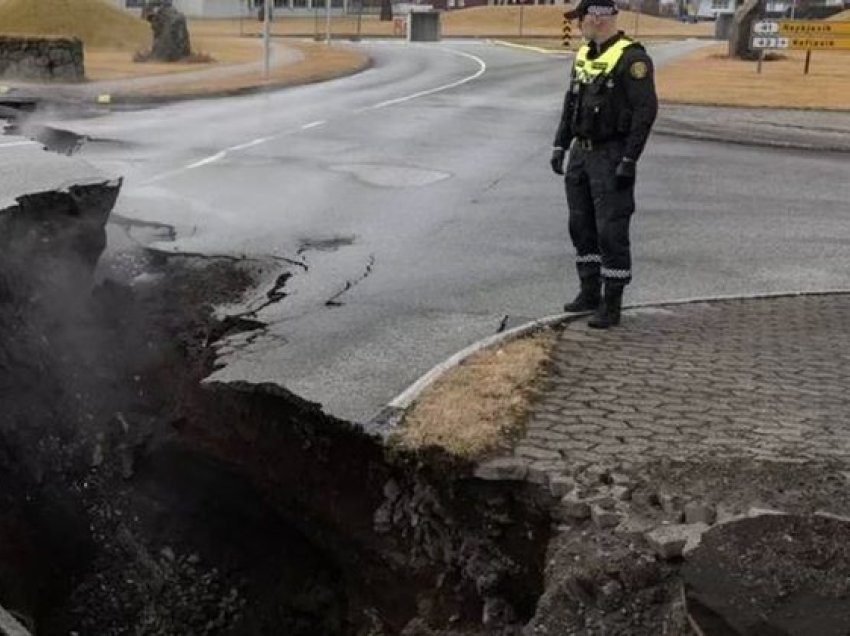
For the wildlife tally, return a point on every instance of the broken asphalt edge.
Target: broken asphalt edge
(391, 415)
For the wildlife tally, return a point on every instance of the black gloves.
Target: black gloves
(625, 174)
(557, 161)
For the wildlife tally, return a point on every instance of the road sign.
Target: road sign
(566, 31)
(770, 43)
(811, 28)
(819, 28)
(820, 44)
(802, 44)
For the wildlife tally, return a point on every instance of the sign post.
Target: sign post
(266, 43)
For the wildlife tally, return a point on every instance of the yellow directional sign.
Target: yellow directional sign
(819, 28)
(822, 44)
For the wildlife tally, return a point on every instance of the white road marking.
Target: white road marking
(207, 160)
(528, 47)
(482, 68)
(11, 144)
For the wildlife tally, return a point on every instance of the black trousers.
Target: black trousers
(599, 214)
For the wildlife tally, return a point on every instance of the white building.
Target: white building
(243, 8)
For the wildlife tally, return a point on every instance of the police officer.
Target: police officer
(609, 109)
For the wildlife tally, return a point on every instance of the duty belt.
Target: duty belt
(589, 144)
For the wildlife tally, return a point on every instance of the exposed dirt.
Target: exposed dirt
(136, 500)
(773, 574)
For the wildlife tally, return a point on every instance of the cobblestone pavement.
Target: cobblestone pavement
(766, 379)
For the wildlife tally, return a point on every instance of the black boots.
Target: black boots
(608, 314)
(588, 297)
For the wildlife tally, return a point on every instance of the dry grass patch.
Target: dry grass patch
(482, 405)
(109, 64)
(707, 76)
(98, 23)
(321, 62)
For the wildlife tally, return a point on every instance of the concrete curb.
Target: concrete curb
(391, 415)
(534, 49)
(139, 99)
(734, 137)
(130, 99)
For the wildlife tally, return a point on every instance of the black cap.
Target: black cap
(592, 7)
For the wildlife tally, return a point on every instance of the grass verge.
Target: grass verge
(481, 406)
(709, 77)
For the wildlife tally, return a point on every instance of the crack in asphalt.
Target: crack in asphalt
(333, 302)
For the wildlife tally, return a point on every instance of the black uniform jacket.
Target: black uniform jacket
(634, 97)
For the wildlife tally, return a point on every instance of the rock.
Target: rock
(700, 513)
(620, 479)
(497, 612)
(672, 507)
(776, 574)
(621, 493)
(645, 498)
(635, 525)
(538, 475)
(391, 490)
(604, 518)
(97, 454)
(170, 33)
(167, 554)
(666, 544)
(502, 469)
(573, 507)
(560, 485)
(674, 541)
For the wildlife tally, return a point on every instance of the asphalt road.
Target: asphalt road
(418, 206)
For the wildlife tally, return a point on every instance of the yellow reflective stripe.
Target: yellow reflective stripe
(587, 70)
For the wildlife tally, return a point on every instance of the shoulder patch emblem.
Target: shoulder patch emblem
(638, 70)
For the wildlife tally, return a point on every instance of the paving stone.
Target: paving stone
(635, 525)
(621, 493)
(700, 513)
(674, 541)
(538, 475)
(646, 498)
(502, 469)
(604, 518)
(533, 452)
(560, 485)
(573, 507)
(701, 385)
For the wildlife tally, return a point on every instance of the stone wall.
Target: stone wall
(41, 58)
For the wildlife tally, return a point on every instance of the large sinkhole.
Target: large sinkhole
(135, 500)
